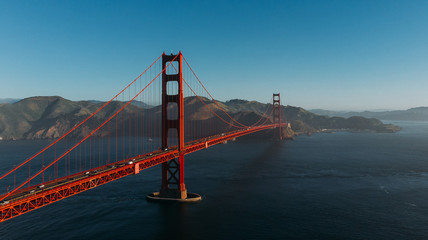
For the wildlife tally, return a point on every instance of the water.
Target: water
(326, 186)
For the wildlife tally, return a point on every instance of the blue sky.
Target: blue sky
(340, 55)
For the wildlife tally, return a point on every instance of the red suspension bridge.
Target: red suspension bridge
(161, 116)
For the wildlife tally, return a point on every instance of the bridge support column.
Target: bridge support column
(173, 187)
(277, 112)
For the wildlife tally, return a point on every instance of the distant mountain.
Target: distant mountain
(305, 121)
(51, 117)
(412, 114)
(328, 112)
(8, 100)
(135, 103)
(142, 104)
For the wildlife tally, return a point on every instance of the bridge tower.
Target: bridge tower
(173, 187)
(277, 112)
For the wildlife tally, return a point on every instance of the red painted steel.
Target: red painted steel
(90, 134)
(137, 168)
(75, 127)
(24, 201)
(277, 112)
(212, 98)
(173, 171)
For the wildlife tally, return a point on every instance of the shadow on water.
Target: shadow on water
(202, 219)
(258, 162)
(172, 219)
(256, 189)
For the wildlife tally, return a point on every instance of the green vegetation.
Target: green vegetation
(51, 117)
(303, 121)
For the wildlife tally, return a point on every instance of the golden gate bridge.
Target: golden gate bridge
(122, 137)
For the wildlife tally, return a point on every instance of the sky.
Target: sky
(336, 55)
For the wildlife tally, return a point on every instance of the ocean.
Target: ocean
(325, 186)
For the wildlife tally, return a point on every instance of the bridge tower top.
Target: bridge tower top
(173, 187)
(175, 75)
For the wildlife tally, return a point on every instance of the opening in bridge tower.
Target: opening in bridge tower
(173, 187)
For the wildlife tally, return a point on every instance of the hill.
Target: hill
(305, 121)
(412, 114)
(51, 117)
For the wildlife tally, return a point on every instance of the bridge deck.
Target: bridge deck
(41, 195)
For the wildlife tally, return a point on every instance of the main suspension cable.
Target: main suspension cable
(78, 125)
(95, 130)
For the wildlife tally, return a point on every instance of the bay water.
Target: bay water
(325, 186)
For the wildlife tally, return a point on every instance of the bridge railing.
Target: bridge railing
(129, 124)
